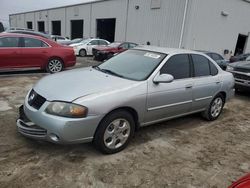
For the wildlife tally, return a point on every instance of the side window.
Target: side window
(178, 66)
(216, 57)
(213, 69)
(132, 45)
(34, 43)
(102, 42)
(94, 42)
(9, 42)
(201, 65)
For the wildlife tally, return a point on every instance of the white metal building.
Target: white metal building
(213, 25)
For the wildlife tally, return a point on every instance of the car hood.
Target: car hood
(241, 64)
(71, 85)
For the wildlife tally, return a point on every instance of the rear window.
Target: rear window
(34, 43)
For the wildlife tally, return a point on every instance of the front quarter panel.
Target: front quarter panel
(133, 96)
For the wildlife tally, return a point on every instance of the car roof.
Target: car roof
(165, 50)
(21, 35)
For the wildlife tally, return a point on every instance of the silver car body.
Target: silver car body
(102, 93)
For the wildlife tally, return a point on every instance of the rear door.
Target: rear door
(91, 45)
(10, 52)
(35, 52)
(206, 82)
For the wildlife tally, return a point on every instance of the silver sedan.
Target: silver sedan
(107, 103)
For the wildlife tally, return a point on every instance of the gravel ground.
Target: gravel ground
(183, 153)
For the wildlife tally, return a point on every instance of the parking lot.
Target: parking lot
(187, 152)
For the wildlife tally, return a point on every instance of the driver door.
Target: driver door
(166, 100)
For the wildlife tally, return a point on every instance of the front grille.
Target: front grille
(242, 70)
(241, 76)
(35, 100)
(32, 130)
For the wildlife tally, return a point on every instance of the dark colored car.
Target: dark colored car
(29, 32)
(1, 27)
(22, 52)
(243, 182)
(241, 57)
(105, 52)
(218, 59)
(241, 72)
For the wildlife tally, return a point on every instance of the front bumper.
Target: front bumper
(39, 125)
(76, 51)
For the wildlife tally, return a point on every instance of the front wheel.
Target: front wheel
(54, 65)
(114, 132)
(215, 108)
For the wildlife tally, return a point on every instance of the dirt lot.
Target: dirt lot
(187, 152)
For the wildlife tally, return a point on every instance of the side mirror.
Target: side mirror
(163, 78)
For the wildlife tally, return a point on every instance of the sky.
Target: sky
(15, 6)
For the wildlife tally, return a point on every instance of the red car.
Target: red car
(106, 52)
(243, 182)
(23, 52)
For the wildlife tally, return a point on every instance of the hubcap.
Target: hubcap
(117, 133)
(216, 107)
(82, 53)
(55, 66)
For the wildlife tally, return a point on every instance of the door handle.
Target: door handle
(218, 82)
(189, 86)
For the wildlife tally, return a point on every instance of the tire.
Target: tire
(114, 132)
(109, 55)
(215, 108)
(54, 65)
(82, 53)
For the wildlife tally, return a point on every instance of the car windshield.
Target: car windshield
(85, 41)
(76, 40)
(132, 64)
(114, 44)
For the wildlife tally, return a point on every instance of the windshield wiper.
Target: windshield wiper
(111, 72)
(96, 67)
(107, 71)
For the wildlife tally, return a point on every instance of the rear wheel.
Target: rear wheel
(215, 108)
(82, 53)
(54, 65)
(114, 132)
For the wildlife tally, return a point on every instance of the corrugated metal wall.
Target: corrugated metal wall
(161, 27)
(208, 29)
(205, 28)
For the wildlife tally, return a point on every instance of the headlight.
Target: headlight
(229, 68)
(66, 110)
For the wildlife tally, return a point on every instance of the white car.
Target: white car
(85, 47)
(58, 38)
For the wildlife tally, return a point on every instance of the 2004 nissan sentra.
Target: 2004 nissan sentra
(107, 103)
